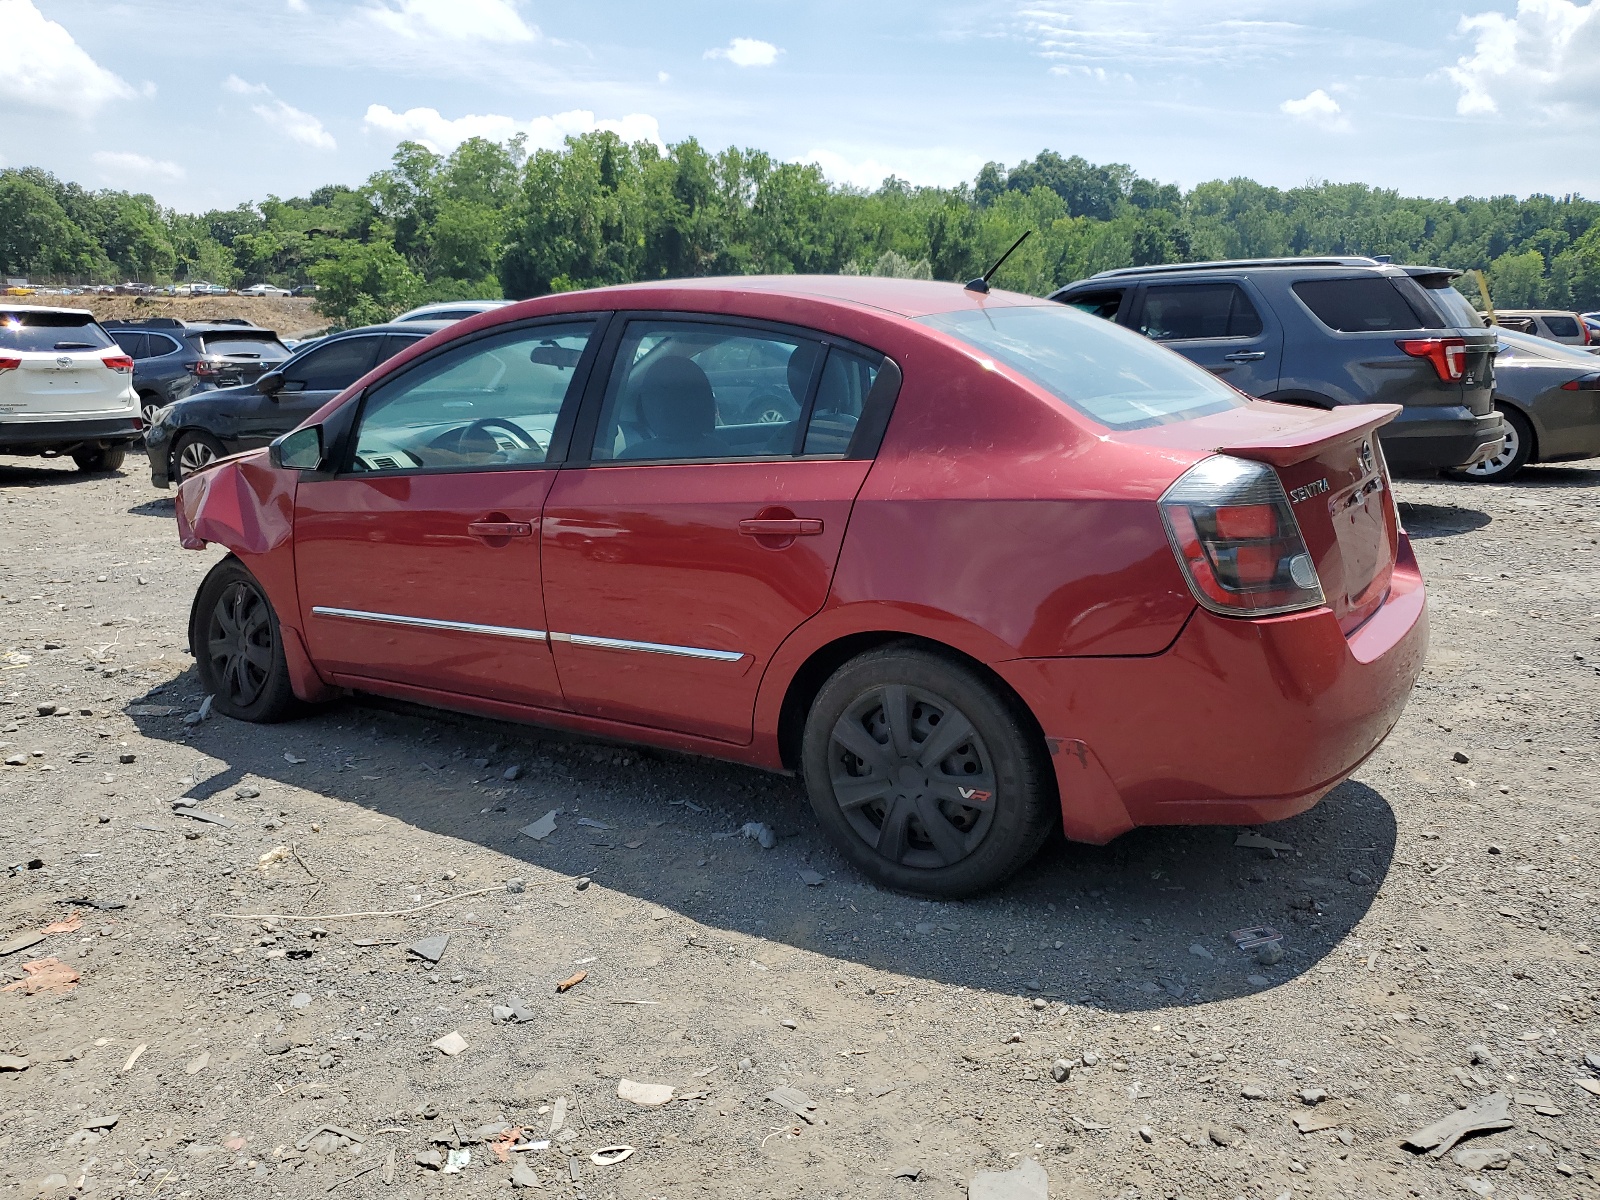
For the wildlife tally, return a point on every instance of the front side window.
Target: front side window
(1106, 304)
(694, 390)
(1369, 305)
(1189, 312)
(1104, 371)
(490, 403)
(331, 367)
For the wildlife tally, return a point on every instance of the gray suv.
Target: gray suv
(1325, 332)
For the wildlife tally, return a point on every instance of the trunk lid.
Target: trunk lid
(1332, 469)
(63, 382)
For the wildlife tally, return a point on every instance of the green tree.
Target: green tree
(364, 283)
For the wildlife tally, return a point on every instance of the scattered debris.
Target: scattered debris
(451, 1044)
(198, 1064)
(1317, 1122)
(431, 948)
(45, 975)
(1487, 1115)
(610, 1156)
(566, 985)
(21, 942)
(102, 905)
(522, 1176)
(292, 759)
(591, 823)
(1254, 841)
(1482, 1158)
(796, 1101)
(648, 1095)
(338, 1131)
(558, 1115)
(761, 833)
(455, 1161)
(134, 1057)
(202, 713)
(542, 828)
(150, 710)
(1028, 1181)
(12, 1062)
(811, 878)
(208, 818)
(1313, 1095)
(277, 854)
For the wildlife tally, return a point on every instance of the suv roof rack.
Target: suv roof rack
(1230, 264)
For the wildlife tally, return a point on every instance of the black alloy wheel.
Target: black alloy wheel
(239, 647)
(912, 776)
(926, 772)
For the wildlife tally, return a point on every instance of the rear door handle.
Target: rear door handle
(500, 529)
(781, 526)
(1245, 355)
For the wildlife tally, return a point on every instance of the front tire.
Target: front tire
(1513, 455)
(925, 775)
(193, 451)
(238, 647)
(102, 461)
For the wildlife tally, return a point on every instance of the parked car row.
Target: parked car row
(192, 288)
(173, 358)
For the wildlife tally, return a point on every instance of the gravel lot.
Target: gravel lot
(1437, 914)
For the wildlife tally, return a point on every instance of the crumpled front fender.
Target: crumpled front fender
(242, 503)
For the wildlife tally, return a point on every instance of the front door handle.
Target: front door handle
(500, 529)
(1245, 355)
(786, 527)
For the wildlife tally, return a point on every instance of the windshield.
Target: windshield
(1107, 373)
(36, 331)
(1456, 308)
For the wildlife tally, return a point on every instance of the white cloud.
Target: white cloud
(121, 164)
(298, 6)
(747, 52)
(45, 68)
(932, 168)
(293, 123)
(1317, 108)
(1119, 34)
(1547, 55)
(454, 20)
(442, 135)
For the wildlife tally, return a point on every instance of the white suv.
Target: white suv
(65, 388)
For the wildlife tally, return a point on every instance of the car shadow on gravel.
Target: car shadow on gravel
(1423, 521)
(161, 506)
(61, 473)
(1141, 924)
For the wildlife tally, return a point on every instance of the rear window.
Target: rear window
(1107, 373)
(1368, 305)
(36, 331)
(1097, 304)
(1188, 312)
(244, 345)
(1562, 327)
(1456, 308)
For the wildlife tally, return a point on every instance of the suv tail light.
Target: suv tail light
(10, 364)
(1237, 539)
(118, 362)
(1448, 355)
(1584, 383)
(203, 368)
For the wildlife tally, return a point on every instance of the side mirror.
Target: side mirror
(270, 384)
(300, 450)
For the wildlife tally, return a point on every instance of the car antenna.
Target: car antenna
(981, 284)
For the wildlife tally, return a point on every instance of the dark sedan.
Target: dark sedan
(186, 435)
(1549, 395)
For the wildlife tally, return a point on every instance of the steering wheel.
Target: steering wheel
(484, 425)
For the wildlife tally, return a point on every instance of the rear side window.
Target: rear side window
(161, 344)
(244, 345)
(841, 396)
(1368, 305)
(1198, 310)
(43, 331)
(133, 344)
(1456, 309)
(1105, 305)
(1108, 373)
(1562, 327)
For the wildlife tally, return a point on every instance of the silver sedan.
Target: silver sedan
(1549, 395)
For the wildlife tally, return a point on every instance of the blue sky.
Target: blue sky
(209, 102)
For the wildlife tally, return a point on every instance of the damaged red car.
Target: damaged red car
(974, 565)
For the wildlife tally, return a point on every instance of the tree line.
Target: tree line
(491, 220)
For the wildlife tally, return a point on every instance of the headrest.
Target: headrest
(676, 401)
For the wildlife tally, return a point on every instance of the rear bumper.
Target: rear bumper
(1239, 722)
(1438, 437)
(62, 437)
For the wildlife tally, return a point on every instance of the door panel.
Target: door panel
(663, 611)
(390, 552)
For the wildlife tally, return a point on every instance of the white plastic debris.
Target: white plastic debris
(759, 832)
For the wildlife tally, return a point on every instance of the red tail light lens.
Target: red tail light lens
(1586, 383)
(118, 362)
(203, 368)
(1448, 355)
(10, 364)
(1237, 539)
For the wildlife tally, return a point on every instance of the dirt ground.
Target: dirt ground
(1437, 913)
(289, 316)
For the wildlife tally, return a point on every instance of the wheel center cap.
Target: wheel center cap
(911, 777)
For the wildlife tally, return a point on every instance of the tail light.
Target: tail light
(118, 362)
(1448, 355)
(10, 364)
(204, 368)
(1585, 383)
(1237, 539)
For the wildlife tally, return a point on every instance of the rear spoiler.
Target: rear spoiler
(1295, 445)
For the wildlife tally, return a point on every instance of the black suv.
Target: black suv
(187, 435)
(173, 358)
(1325, 332)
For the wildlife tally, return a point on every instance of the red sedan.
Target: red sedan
(974, 565)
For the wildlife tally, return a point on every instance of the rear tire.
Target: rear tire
(1513, 455)
(238, 647)
(103, 461)
(149, 403)
(925, 775)
(192, 451)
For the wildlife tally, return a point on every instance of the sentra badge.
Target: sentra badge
(1315, 488)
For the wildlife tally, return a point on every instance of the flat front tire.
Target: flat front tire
(925, 774)
(238, 647)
